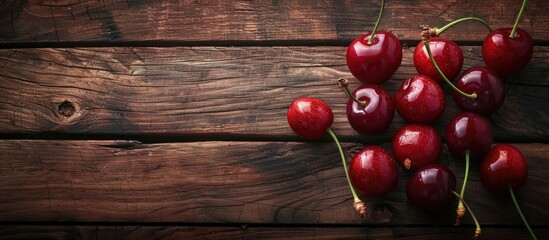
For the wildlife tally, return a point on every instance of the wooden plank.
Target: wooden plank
(218, 93)
(227, 182)
(16, 232)
(237, 21)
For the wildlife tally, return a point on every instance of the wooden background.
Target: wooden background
(167, 120)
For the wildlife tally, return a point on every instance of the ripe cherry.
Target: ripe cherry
(373, 172)
(374, 57)
(446, 53)
(370, 109)
(430, 187)
(420, 99)
(487, 86)
(506, 50)
(468, 134)
(507, 55)
(416, 145)
(309, 117)
(503, 166)
(504, 169)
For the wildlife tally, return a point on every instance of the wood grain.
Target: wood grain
(226, 182)
(219, 92)
(248, 21)
(19, 232)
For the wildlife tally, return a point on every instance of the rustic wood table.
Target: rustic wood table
(167, 120)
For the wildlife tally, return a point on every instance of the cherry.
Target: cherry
(309, 117)
(503, 166)
(488, 87)
(420, 99)
(370, 109)
(430, 187)
(373, 172)
(416, 145)
(374, 57)
(446, 53)
(506, 50)
(468, 134)
(502, 170)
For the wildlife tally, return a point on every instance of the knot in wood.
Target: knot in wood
(66, 109)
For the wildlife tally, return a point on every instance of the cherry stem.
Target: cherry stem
(453, 23)
(478, 230)
(372, 35)
(514, 31)
(356, 199)
(426, 39)
(344, 84)
(460, 210)
(520, 212)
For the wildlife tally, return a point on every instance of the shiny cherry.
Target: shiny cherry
(375, 62)
(416, 145)
(507, 55)
(446, 53)
(375, 112)
(488, 87)
(373, 172)
(310, 117)
(503, 166)
(430, 187)
(469, 132)
(420, 99)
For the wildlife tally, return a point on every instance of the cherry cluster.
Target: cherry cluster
(478, 91)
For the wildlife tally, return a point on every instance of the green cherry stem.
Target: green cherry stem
(371, 40)
(478, 231)
(425, 35)
(520, 213)
(358, 204)
(457, 21)
(344, 83)
(514, 31)
(460, 209)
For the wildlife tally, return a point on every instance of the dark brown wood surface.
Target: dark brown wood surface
(243, 21)
(167, 120)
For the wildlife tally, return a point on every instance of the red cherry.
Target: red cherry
(488, 87)
(430, 187)
(420, 99)
(416, 145)
(373, 172)
(376, 115)
(310, 117)
(502, 166)
(446, 53)
(506, 55)
(374, 62)
(469, 132)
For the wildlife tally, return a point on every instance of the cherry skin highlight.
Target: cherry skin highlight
(502, 166)
(506, 55)
(416, 145)
(446, 53)
(310, 117)
(488, 87)
(469, 132)
(373, 172)
(420, 99)
(430, 187)
(377, 113)
(374, 63)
